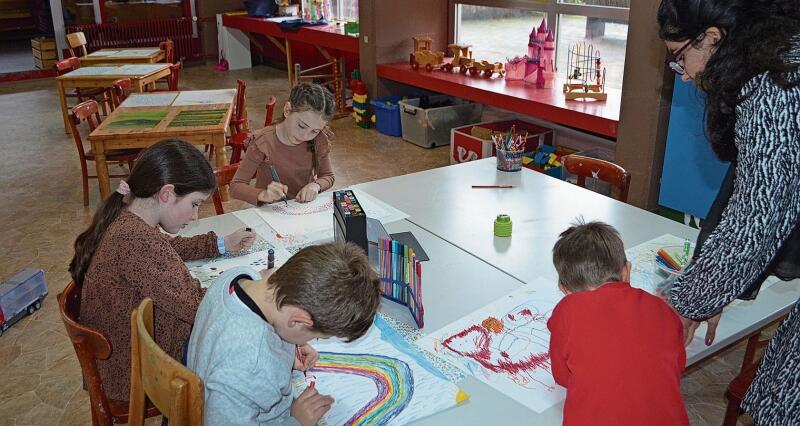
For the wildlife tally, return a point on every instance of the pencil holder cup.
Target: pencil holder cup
(509, 161)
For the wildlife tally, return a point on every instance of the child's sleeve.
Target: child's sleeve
(198, 247)
(231, 404)
(558, 346)
(240, 187)
(324, 173)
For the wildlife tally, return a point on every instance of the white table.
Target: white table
(455, 285)
(443, 202)
(470, 268)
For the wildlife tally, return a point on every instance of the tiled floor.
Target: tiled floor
(42, 213)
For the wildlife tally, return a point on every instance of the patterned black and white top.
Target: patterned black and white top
(761, 214)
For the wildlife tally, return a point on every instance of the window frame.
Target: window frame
(553, 8)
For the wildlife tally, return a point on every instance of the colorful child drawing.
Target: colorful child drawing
(515, 344)
(378, 379)
(505, 344)
(392, 377)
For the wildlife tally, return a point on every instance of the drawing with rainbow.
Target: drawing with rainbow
(392, 377)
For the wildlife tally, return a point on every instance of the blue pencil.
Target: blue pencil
(277, 179)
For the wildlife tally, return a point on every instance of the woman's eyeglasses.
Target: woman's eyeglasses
(677, 57)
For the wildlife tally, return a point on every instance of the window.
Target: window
(345, 10)
(501, 31)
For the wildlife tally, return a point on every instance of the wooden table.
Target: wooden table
(153, 122)
(104, 76)
(136, 55)
(330, 41)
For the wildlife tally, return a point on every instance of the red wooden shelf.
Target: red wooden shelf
(547, 104)
(328, 36)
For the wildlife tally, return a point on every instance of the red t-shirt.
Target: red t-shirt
(619, 352)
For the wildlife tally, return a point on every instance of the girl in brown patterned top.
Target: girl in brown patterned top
(297, 148)
(123, 257)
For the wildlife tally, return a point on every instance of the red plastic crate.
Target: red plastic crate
(465, 147)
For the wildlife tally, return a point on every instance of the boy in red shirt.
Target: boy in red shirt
(618, 350)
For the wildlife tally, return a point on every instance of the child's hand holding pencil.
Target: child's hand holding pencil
(305, 358)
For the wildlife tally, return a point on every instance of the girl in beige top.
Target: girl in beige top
(124, 257)
(297, 148)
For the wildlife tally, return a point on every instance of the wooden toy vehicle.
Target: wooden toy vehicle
(462, 58)
(487, 68)
(22, 294)
(423, 56)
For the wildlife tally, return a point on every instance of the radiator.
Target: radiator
(143, 34)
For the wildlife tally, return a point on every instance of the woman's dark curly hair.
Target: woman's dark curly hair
(756, 36)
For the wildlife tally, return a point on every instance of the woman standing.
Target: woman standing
(744, 54)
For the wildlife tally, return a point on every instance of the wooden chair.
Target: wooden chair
(90, 345)
(739, 385)
(120, 91)
(598, 169)
(171, 80)
(237, 126)
(237, 140)
(239, 117)
(270, 108)
(168, 46)
(88, 111)
(77, 41)
(173, 388)
(224, 176)
(98, 93)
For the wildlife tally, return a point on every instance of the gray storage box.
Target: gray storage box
(431, 127)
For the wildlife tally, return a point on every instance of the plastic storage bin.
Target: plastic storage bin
(430, 126)
(387, 117)
(467, 146)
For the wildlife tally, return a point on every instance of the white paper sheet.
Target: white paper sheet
(136, 52)
(149, 99)
(205, 97)
(297, 218)
(506, 345)
(379, 379)
(91, 71)
(104, 53)
(208, 272)
(139, 69)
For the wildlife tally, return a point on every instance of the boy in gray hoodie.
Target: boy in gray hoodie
(250, 332)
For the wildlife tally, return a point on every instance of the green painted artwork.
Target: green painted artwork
(210, 117)
(137, 120)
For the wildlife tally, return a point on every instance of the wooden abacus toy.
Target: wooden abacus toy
(586, 76)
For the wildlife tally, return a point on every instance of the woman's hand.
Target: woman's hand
(308, 193)
(239, 240)
(274, 192)
(690, 326)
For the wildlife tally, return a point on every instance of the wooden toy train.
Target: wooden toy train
(424, 57)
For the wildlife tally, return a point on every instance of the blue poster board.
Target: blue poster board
(692, 174)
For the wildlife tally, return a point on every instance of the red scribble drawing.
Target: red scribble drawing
(515, 344)
(302, 210)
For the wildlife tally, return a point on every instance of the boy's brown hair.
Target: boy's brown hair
(588, 255)
(335, 284)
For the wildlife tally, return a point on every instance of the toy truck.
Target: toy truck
(20, 295)
(486, 68)
(423, 56)
(462, 58)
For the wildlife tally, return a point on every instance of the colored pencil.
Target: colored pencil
(492, 186)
